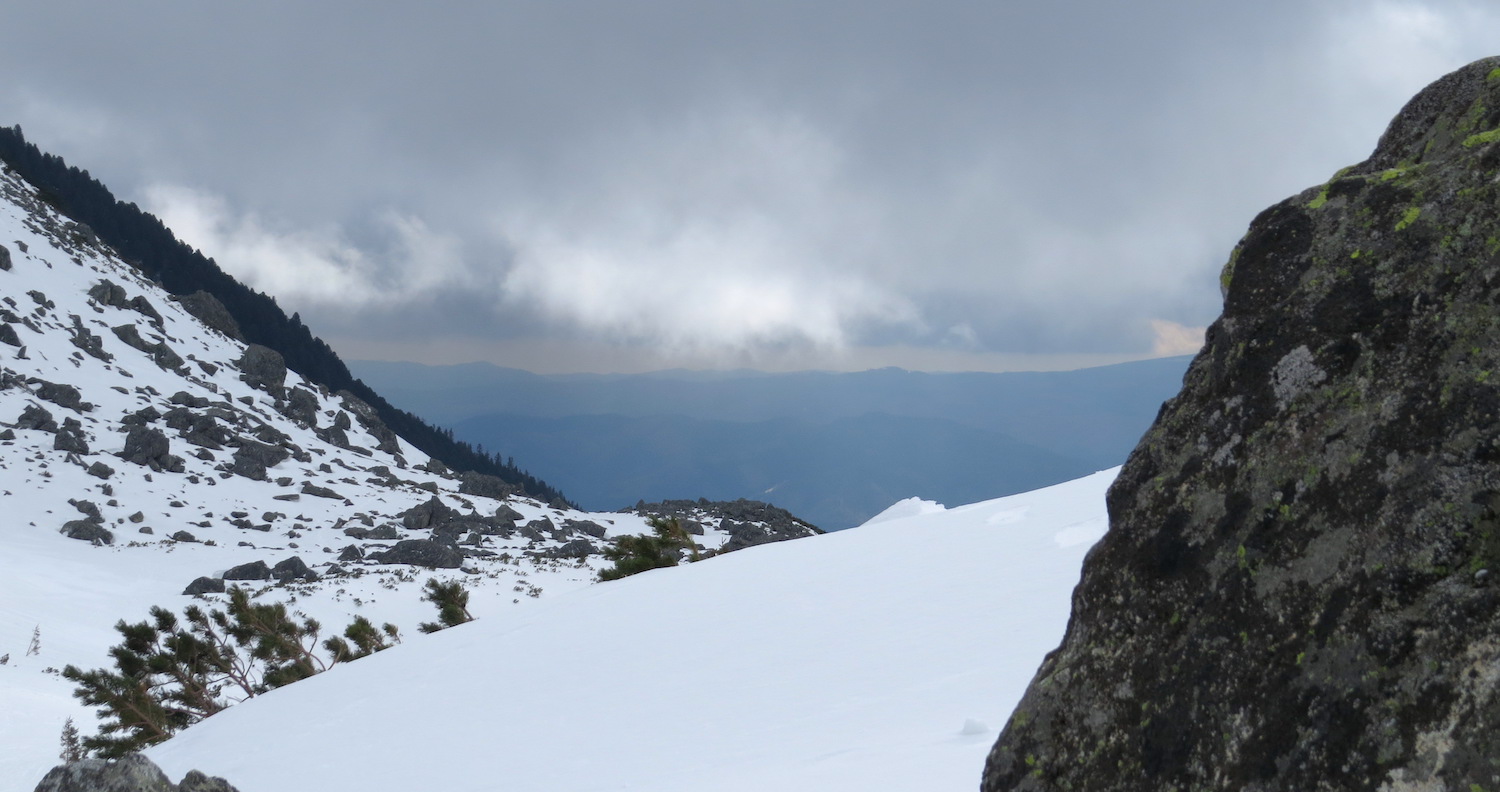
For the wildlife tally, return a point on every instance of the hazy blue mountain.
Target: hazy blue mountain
(823, 445)
(835, 474)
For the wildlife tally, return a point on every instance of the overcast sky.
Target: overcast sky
(616, 186)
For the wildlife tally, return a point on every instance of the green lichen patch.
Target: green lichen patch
(1493, 76)
(1410, 217)
(1482, 138)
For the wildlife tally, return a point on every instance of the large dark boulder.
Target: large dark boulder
(208, 310)
(35, 416)
(88, 531)
(428, 514)
(485, 486)
(423, 553)
(70, 438)
(255, 570)
(263, 368)
(107, 292)
(252, 459)
(128, 334)
(293, 568)
(301, 406)
(63, 395)
(1295, 590)
(204, 585)
(151, 448)
(132, 773)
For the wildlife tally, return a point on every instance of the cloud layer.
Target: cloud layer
(745, 181)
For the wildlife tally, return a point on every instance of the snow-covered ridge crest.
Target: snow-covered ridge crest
(142, 452)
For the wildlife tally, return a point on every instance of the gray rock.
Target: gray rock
(423, 553)
(63, 396)
(255, 570)
(252, 459)
(100, 470)
(183, 536)
(131, 337)
(576, 548)
(210, 312)
(505, 512)
(386, 440)
(309, 488)
(293, 568)
(142, 306)
(427, 514)
(89, 509)
(263, 368)
(70, 438)
(91, 344)
(4, 259)
(184, 399)
(107, 292)
(588, 527)
(131, 773)
(485, 486)
(351, 553)
(302, 407)
(151, 448)
(205, 585)
(35, 416)
(141, 417)
(8, 334)
(163, 356)
(385, 532)
(88, 531)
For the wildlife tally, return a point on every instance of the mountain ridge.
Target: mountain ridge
(151, 247)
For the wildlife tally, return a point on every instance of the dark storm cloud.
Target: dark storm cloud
(727, 179)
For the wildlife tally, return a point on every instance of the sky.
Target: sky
(627, 186)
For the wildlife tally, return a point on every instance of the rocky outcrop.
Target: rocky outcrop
(263, 368)
(211, 312)
(133, 773)
(151, 448)
(423, 553)
(1296, 590)
(748, 523)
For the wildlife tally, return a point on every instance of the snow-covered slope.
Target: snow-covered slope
(128, 422)
(885, 657)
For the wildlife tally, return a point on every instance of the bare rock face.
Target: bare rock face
(1296, 591)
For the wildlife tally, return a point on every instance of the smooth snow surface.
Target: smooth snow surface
(881, 658)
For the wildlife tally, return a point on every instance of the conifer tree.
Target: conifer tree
(452, 601)
(636, 554)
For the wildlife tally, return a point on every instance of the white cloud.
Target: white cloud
(316, 267)
(732, 230)
(1172, 338)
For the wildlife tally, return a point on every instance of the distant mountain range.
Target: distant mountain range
(832, 448)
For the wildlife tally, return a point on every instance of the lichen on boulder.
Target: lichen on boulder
(1295, 591)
